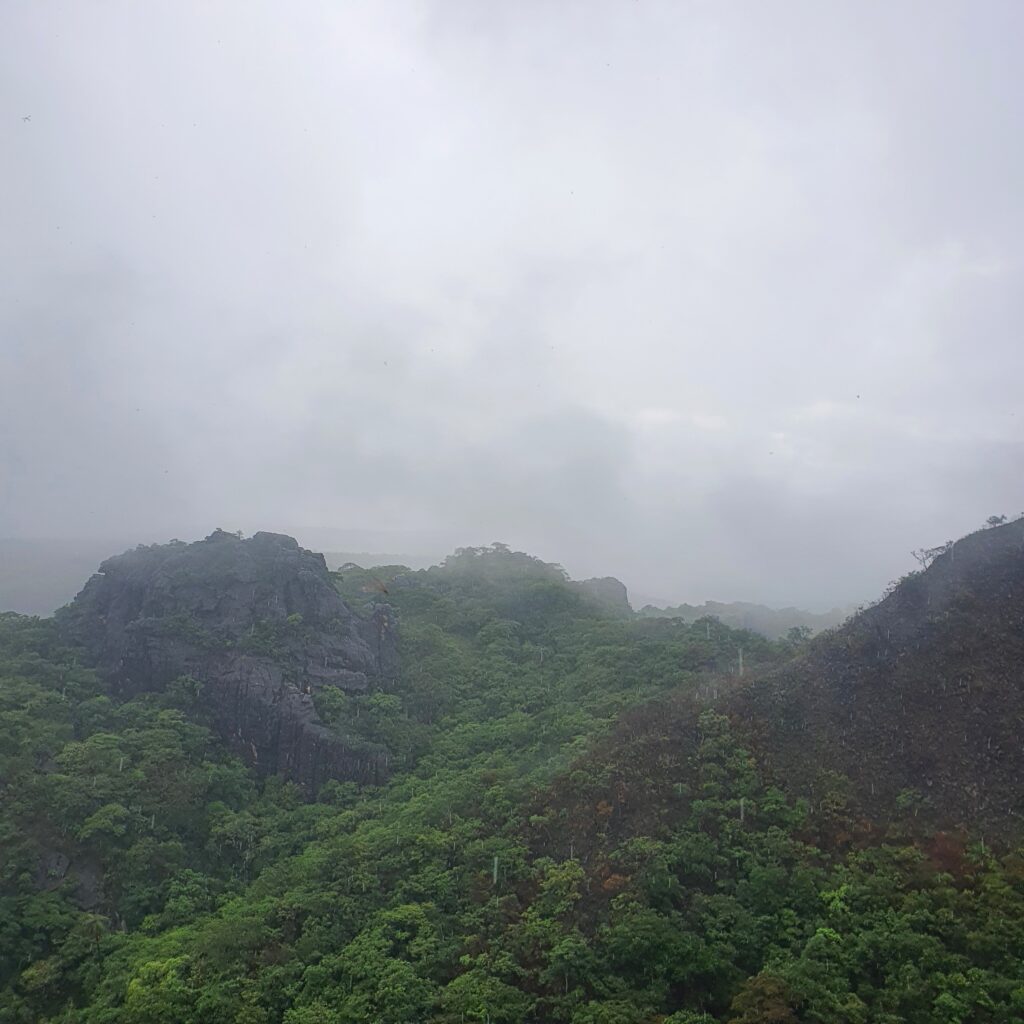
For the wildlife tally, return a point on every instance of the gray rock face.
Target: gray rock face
(259, 625)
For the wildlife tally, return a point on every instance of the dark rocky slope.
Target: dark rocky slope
(918, 699)
(258, 624)
(910, 716)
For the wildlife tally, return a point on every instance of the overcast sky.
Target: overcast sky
(720, 298)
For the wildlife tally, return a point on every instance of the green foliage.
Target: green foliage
(546, 849)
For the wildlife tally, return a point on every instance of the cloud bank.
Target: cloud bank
(723, 299)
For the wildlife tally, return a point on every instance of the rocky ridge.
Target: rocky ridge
(258, 625)
(918, 699)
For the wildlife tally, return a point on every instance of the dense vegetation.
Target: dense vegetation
(548, 848)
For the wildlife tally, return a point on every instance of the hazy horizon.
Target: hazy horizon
(719, 299)
(75, 559)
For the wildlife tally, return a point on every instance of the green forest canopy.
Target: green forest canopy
(505, 873)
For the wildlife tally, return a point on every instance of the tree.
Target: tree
(480, 997)
(160, 993)
(925, 556)
(763, 1000)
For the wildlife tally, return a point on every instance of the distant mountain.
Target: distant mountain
(773, 623)
(368, 559)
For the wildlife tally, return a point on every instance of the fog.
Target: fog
(722, 299)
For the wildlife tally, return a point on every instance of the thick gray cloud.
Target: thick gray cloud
(721, 298)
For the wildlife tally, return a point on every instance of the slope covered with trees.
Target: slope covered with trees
(586, 822)
(919, 699)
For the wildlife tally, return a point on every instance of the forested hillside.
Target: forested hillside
(918, 699)
(589, 818)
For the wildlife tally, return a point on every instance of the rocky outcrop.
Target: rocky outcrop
(259, 625)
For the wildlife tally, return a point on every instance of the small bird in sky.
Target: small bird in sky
(27, 117)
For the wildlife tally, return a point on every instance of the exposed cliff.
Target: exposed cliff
(258, 624)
